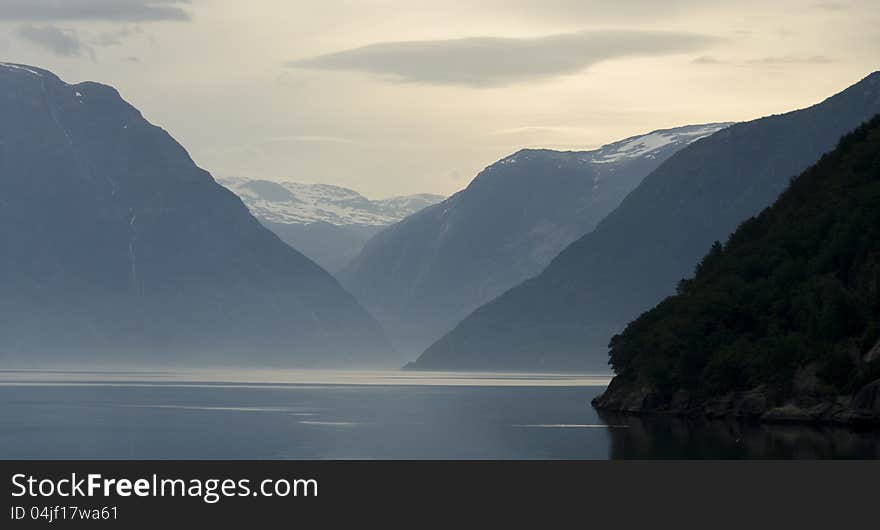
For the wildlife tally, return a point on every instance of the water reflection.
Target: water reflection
(267, 378)
(663, 437)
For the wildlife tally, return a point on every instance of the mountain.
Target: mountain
(424, 274)
(782, 322)
(117, 247)
(329, 224)
(563, 318)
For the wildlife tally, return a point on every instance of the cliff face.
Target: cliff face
(783, 322)
(812, 403)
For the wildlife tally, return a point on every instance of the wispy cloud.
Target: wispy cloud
(592, 10)
(495, 61)
(68, 42)
(106, 10)
(313, 139)
(709, 59)
(116, 38)
(64, 42)
(832, 6)
(793, 59)
(782, 60)
(538, 129)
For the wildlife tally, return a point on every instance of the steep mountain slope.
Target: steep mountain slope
(564, 318)
(422, 275)
(782, 321)
(117, 247)
(329, 224)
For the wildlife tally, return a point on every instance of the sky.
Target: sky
(393, 97)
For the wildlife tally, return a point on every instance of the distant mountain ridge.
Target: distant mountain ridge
(292, 202)
(564, 318)
(330, 224)
(420, 276)
(117, 248)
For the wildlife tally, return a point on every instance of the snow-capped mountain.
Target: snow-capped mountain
(648, 145)
(424, 274)
(329, 224)
(290, 202)
(644, 147)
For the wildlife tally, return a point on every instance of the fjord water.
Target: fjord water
(363, 415)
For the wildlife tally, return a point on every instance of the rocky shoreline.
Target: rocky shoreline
(807, 405)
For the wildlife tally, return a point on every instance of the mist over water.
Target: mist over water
(287, 414)
(295, 414)
(288, 377)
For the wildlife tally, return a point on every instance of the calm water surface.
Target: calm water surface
(363, 415)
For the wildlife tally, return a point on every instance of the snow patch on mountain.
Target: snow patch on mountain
(622, 152)
(12, 66)
(289, 202)
(646, 145)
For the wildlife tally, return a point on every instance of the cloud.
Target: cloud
(767, 61)
(115, 38)
(580, 11)
(59, 41)
(709, 59)
(530, 129)
(312, 139)
(106, 10)
(793, 59)
(495, 61)
(832, 6)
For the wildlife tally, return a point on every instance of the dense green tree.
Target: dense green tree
(798, 284)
